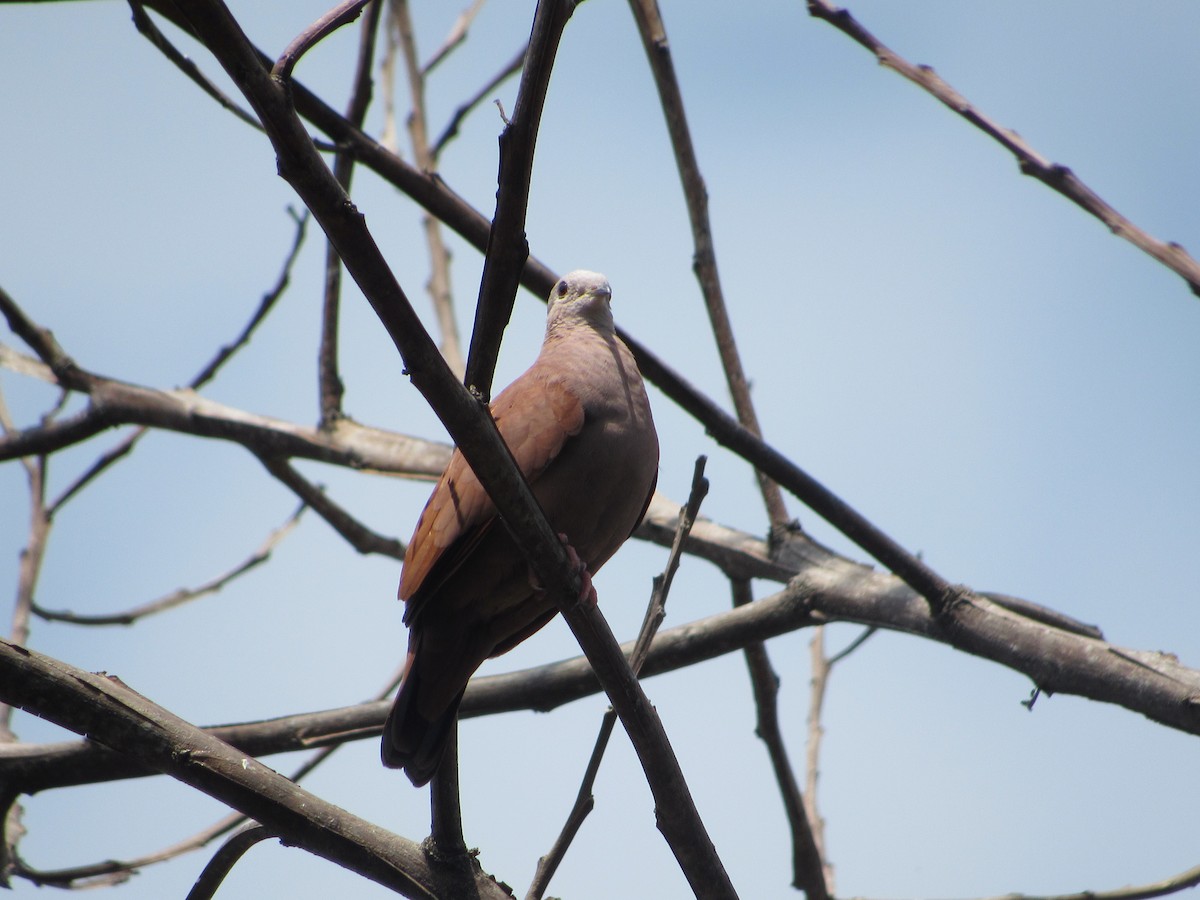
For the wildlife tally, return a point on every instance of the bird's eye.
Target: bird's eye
(562, 289)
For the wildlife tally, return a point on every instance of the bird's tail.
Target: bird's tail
(412, 742)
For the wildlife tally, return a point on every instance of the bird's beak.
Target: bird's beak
(605, 292)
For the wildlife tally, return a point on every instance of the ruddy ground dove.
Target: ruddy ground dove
(578, 425)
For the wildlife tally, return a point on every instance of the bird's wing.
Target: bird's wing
(535, 415)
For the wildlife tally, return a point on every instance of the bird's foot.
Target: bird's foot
(587, 591)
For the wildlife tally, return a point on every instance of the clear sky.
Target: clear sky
(963, 355)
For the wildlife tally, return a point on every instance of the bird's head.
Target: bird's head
(581, 297)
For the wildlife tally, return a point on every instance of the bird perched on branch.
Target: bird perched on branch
(578, 425)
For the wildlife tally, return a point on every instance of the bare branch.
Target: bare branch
(1172, 885)
(119, 718)
(181, 595)
(120, 403)
(808, 867)
(265, 305)
(145, 25)
(1058, 178)
(473, 431)
(112, 871)
(817, 690)
(225, 859)
(507, 246)
(704, 261)
(361, 538)
(30, 565)
(826, 588)
(439, 256)
(655, 612)
(329, 382)
(342, 14)
(458, 34)
(451, 130)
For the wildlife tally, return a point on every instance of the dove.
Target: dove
(578, 425)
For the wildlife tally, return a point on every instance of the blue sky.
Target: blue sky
(966, 357)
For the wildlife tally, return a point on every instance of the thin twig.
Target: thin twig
(122, 449)
(1172, 885)
(817, 684)
(145, 25)
(451, 130)
(458, 34)
(1057, 177)
(182, 595)
(656, 611)
(223, 861)
(822, 668)
(266, 304)
(585, 801)
(31, 557)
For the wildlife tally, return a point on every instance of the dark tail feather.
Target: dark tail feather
(412, 742)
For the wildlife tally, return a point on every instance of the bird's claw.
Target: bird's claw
(587, 591)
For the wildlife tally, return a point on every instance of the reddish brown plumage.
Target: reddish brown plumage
(579, 427)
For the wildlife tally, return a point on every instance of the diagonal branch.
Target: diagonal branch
(473, 430)
(112, 871)
(704, 261)
(1057, 177)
